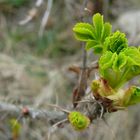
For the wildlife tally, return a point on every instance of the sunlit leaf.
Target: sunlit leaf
(106, 31)
(98, 24)
(84, 31)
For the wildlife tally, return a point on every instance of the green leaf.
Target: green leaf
(98, 49)
(106, 31)
(98, 24)
(15, 127)
(132, 67)
(116, 42)
(94, 35)
(133, 54)
(106, 60)
(91, 44)
(112, 66)
(119, 62)
(135, 97)
(84, 25)
(133, 71)
(84, 32)
(117, 69)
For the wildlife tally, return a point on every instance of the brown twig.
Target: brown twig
(79, 91)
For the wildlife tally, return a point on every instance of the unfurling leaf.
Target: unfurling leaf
(117, 69)
(133, 54)
(119, 62)
(15, 128)
(106, 60)
(116, 42)
(78, 120)
(101, 88)
(124, 98)
(135, 96)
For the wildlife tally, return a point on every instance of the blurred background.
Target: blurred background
(36, 51)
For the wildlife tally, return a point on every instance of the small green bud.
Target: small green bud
(78, 120)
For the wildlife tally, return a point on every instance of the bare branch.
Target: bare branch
(79, 91)
(16, 111)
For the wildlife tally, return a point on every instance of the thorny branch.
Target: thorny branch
(80, 90)
(84, 51)
(90, 108)
(33, 113)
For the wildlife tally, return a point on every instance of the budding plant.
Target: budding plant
(118, 63)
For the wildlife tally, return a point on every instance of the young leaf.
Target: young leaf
(84, 32)
(101, 88)
(106, 31)
(132, 71)
(117, 97)
(117, 69)
(98, 49)
(111, 68)
(119, 62)
(91, 44)
(94, 35)
(98, 24)
(106, 60)
(135, 96)
(133, 55)
(84, 25)
(116, 42)
(78, 120)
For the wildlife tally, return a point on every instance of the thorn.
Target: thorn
(88, 10)
(25, 111)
